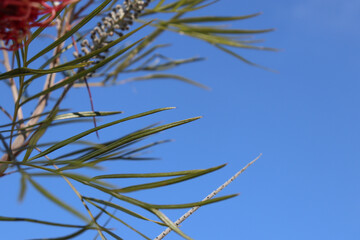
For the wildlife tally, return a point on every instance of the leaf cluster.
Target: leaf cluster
(25, 154)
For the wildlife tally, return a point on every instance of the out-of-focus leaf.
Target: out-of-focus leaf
(212, 19)
(38, 133)
(163, 66)
(23, 187)
(164, 76)
(242, 58)
(57, 201)
(28, 71)
(216, 30)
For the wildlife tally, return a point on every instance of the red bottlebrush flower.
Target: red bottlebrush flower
(18, 16)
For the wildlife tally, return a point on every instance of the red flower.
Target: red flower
(18, 16)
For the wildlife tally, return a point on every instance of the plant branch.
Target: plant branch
(12, 84)
(50, 79)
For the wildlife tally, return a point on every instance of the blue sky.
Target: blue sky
(304, 119)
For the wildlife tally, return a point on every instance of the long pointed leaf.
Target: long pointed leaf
(57, 201)
(80, 74)
(78, 136)
(132, 137)
(71, 32)
(167, 182)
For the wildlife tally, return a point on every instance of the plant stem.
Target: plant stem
(211, 195)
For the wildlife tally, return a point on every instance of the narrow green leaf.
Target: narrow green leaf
(75, 234)
(57, 201)
(194, 204)
(168, 181)
(40, 29)
(169, 223)
(67, 237)
(105, 48)
(78, 136)
(27, 119)
(150, 175)
(23, 71)
(118, 207)
(132, 137)
(85, 114)
(212, 19)
(159, 4)
(164, 66)
(74, 176)
(80, 74)
(68, 34)
(39, 133)
(242, 58)
(23, 187)
(217, 30)
(121, 221)
(166, 76)
(18, 219)
(226, 41)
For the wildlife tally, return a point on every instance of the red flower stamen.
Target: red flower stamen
(18, 16)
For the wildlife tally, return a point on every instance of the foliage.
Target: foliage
(95, 65)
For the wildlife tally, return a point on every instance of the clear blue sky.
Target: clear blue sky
(305, 120)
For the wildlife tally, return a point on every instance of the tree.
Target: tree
(100, 57)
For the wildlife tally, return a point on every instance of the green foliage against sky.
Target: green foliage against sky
(84, 55)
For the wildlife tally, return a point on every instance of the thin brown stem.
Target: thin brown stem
(12, 84)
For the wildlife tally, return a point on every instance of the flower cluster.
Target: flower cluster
(18, 16)
(119, 19)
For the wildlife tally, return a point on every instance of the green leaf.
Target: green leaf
(77, 233)
(57, 201)
(80, 74)
(169, 223)
(164, 66)
(212, 19)
(194, 204)
(121, 221)
(105, 48)
(165, 76)
(85, 114)
(38, 133)
(18, 219)
(216, 30)
(118, 207)
(242, 58)
(26, 119)
(132, 137)
(23, 187)
(168, 181)
(68, 34)
(83, 134)
(23, 71)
